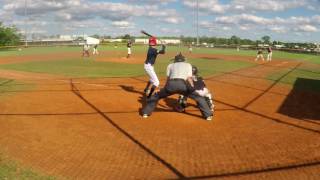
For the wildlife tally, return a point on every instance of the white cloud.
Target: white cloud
(217, 17)
(123, 24)
(243, 19)
(270, 5)
(211, 6)
(316, 19)
(173, 20)
(206, 24)
(170, 30)
(306, 28)
(245, 28)
(83, 10)
(249, 22)
(63, 16)
(226, 28)
(152, 1)
(278, 29)
(249, 6)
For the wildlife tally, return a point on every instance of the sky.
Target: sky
(282, 20)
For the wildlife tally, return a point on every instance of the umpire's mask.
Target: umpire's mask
(179, 58)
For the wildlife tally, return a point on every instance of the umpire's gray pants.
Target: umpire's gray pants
(176, 87)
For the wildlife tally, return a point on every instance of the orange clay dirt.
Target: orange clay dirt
(91, 128)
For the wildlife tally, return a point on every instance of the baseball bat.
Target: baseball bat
(145, 33)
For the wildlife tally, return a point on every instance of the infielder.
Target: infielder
(179, 81)
(269, 57)
(259, 55)
(85, 50)
(190, 48)
(95, 49)
(148, 65)
(200, 89)
(129, 44)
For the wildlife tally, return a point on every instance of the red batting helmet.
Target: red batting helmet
(152, 41)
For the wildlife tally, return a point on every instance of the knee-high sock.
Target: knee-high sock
(147, 87)
(152, 90)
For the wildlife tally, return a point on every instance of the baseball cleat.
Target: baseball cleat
(146, 92)
(145, 116)
(179, 109)
(209, 118)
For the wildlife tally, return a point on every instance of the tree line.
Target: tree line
(232, 41)
(236, 41)
(9, 36)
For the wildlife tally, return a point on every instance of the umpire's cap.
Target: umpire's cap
(179, 58)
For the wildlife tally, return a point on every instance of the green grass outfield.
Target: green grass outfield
(11, 170)
(292, 77)
(90, 68)
(143, 48)
(9, 87)
(87, 67)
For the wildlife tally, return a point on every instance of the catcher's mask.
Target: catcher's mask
(152, 41)
(194, 70)
(179, 58)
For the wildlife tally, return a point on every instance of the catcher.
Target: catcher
(200, 89)
(179, 81)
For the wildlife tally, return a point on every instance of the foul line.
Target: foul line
(270, 87)
(258, 171)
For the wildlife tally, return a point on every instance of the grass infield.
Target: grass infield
(11, 170)
(295, 75)
(90, 68)
(142, 48)
(9, 86)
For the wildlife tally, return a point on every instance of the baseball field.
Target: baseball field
(63, 116)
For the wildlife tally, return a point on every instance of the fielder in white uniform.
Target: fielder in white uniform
(129, 44)
(95, 49)
(259, 55)
(269, 57)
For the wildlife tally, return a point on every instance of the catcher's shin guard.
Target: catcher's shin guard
(210, 102)
(182, 101)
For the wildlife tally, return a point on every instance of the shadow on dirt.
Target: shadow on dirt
(303, 101)
(142, 98)
(170, 102)
(212, 58)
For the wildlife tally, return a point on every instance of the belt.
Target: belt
(177, 79)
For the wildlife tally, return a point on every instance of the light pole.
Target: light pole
(26, 19)
(197, 22)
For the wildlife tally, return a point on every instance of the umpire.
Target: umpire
(179, 81)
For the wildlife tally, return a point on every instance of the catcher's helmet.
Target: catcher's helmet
(152, 41)
(194, 70)
(179, 58)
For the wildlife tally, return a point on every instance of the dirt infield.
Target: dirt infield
(91, 129)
